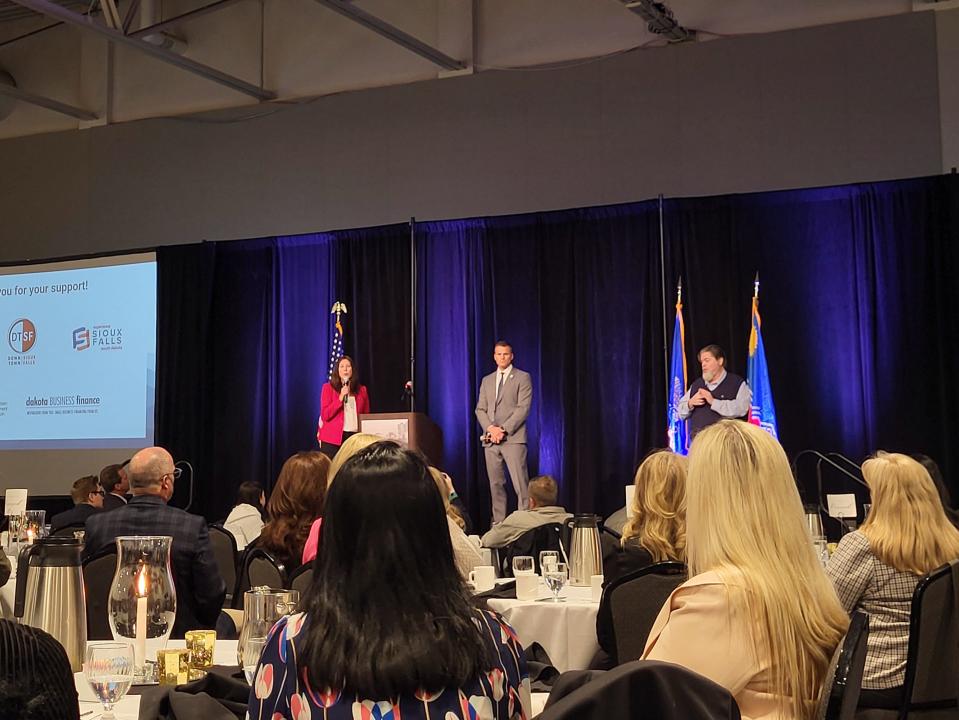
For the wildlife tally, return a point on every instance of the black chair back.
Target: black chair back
(225, 554)
(533, 542)
(843, 682)
(932, 663)
(301, 579)
(630, 605)
(258, 568)
(68, 530)
(647, 689)
(98, 573)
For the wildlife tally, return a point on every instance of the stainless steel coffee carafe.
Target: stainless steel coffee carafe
(50, 593)
(585, 553)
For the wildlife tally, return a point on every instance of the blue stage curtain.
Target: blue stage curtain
(858, 297)
(242, 354)
(577, 294)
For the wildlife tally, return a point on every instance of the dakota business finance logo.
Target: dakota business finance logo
(104, 337)
(21, 338)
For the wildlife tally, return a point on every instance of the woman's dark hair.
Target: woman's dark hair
(940, 482)
(387, 612)
(335, 381)
(36, 682)
(297, 501)
(249, 494)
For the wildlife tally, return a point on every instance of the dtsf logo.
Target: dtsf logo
(22, 335)
(81, 338)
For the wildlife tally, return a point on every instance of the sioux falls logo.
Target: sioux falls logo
(103, 337)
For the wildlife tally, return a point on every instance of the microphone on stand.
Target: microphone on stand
(407, 390)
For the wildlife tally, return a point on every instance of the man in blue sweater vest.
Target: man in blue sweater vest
(716, 395)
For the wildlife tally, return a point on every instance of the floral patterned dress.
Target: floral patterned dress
(279, 692)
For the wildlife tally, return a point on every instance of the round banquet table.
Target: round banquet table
(566, 630)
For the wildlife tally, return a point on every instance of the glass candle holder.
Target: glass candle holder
(173, 666)
(200, 643)
(142, 603)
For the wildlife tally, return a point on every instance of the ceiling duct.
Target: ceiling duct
(660, 20)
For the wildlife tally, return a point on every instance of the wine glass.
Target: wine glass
(547, 558)
(249, 656)
(523, 565)
(108, 667)
(556, 576)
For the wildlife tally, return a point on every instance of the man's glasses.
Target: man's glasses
(101, 492)
(175, 474)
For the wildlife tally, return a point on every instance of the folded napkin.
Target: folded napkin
(220, 695)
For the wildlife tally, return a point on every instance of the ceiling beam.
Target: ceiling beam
(219, 5)
(45, 102)
(50, 9)
(391, 32)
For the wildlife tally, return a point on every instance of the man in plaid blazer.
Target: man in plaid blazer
(199, 587)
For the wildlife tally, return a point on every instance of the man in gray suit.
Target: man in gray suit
(504, 400)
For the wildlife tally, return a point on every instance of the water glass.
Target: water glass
(556, 577)
(523, 565)
(547, 558)
(249, 657)
(822, 550)
(108, 667)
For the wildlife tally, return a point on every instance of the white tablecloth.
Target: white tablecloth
(224, 653)
(566, 630)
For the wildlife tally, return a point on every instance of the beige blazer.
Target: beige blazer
(705, 627)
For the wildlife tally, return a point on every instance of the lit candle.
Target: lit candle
(30, 535)
(140, 647)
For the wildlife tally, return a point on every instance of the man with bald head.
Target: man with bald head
(199, 588)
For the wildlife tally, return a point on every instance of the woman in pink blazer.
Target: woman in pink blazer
(342, 402)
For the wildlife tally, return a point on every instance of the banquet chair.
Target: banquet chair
(843, 681)
(645, 688)
(98, 572)
(629, 607)
(68, 530)
(532, 542)
(258, 568)
(301, 579)
(932, 661)
(225, 554)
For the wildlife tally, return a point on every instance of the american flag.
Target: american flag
(336, 349)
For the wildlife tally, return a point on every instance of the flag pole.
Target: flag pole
(756, 287)
(662, 280)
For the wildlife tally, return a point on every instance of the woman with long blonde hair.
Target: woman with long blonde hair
(656, 532)
(876, 568)
(758, 615)
(466, 555)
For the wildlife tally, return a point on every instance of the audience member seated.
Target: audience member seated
(87, 494)
(5, 568)
(876, 568)
(940, 482)
(296, 501)
(116, 484)
(352, 445)
(388, 629)
(199, 586)
(543, 510)
(758, 615)
(36, 682)
(245, 521)
(656, 532)
(465, 553)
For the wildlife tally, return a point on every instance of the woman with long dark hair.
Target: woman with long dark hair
(388, 625)
(245, 521)
(342, 401)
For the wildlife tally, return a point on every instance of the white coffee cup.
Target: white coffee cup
(483, 578)
(527, 587)
(596, 583)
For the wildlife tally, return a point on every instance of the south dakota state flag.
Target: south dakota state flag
(676, 426)
(762, 412)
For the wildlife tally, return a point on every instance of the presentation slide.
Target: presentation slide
(79, 354)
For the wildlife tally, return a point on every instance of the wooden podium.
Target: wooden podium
(414, 429)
